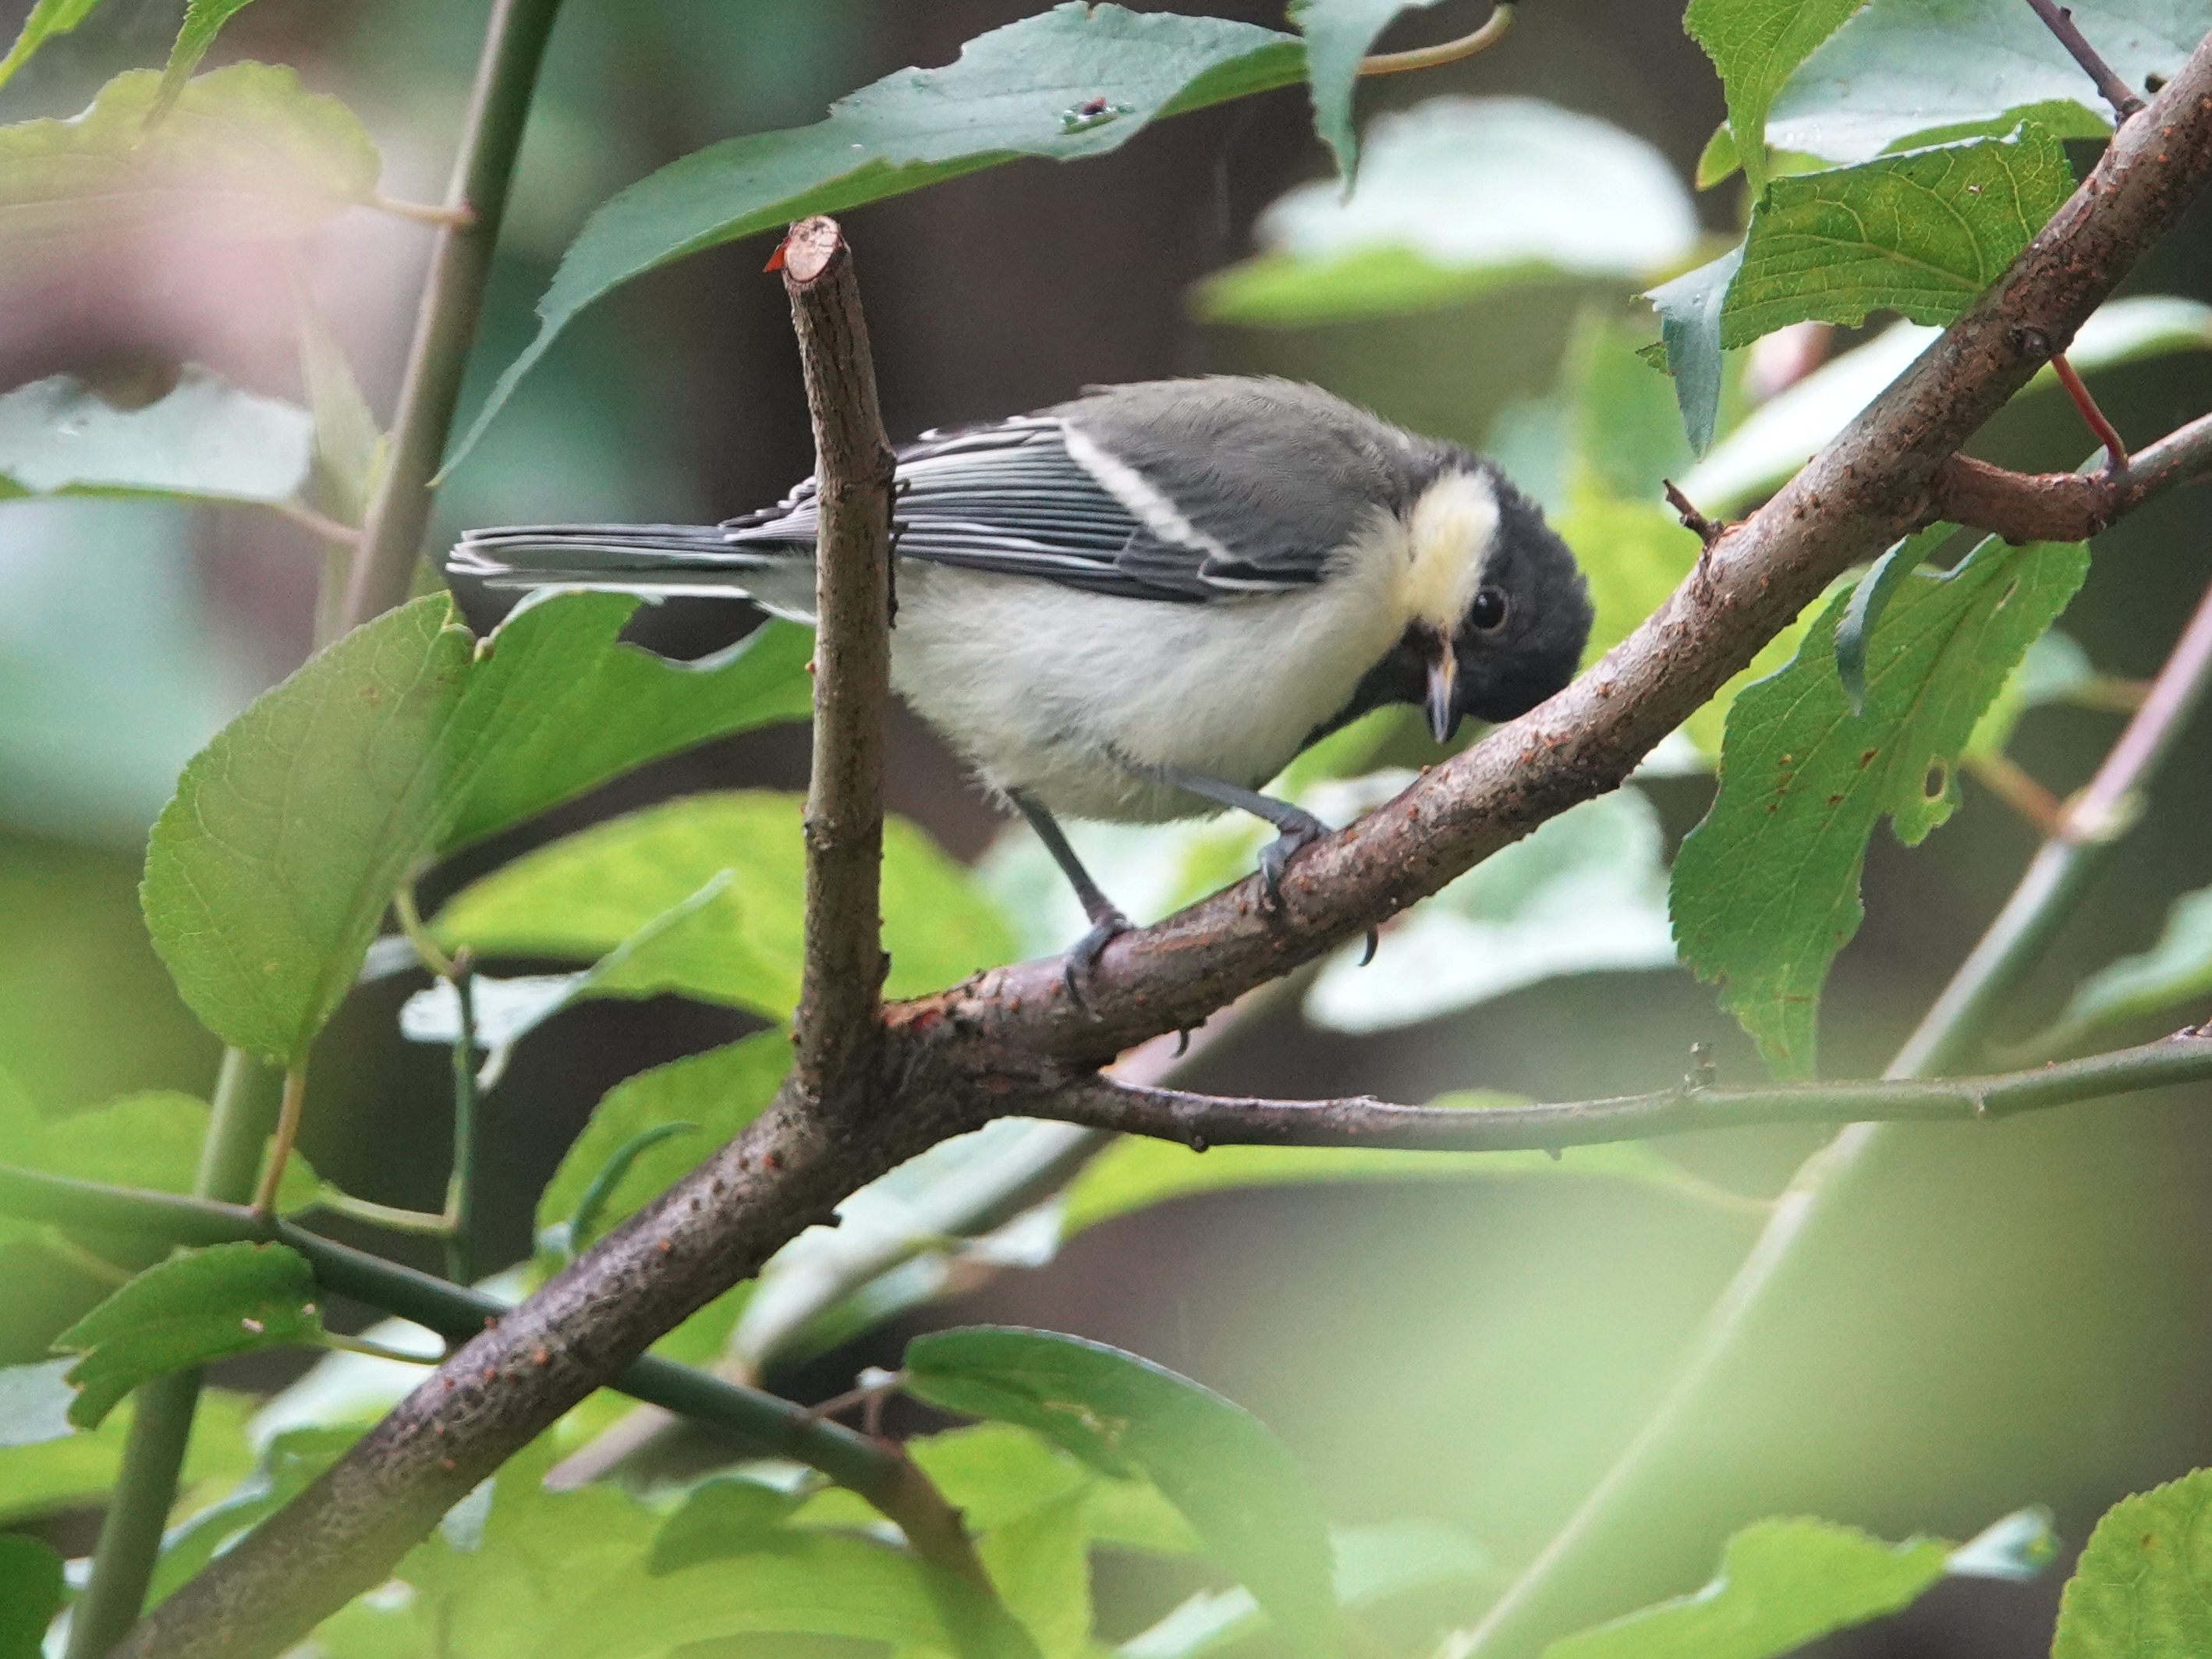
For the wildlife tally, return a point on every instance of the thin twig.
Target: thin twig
(461, 1181)
(1421, 57)
(1708, 530)
(2114, 91)
(428, 213)
(453, 297)
(1214, 1120)
(423, 1223)
(280, 1148)
(323, 525)
(1555, 1587)
(2116, 452)
(2013, 784)
(837, 1029)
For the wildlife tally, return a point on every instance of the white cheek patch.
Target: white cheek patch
(1450, 532)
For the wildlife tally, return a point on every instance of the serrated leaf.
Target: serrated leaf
(268, 872)
(1456, 196)
(1755, 44)
(204, 21)
(152, 1139)
(77, 1470)
(1338, 34)
(31, 1594)
(722, 1515)
(1587, 893)
(205, 439)
(2138, 1591)
(246, 153)
(584, 894)
(2055, 670)
(46, 19)
(1900, 70)
(1781, 1584)
(1137, 1171)
(197, 1306)
(1076, 81)
(1919, 233)
(2174, 973)
(720, 1092)
(1766, 890)
(1123, 1415)
(1690, 308)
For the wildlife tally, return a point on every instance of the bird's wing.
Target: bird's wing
(1032, 496)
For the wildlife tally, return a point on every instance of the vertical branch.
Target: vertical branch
(461, 1183)
(836, 1027)
(453, 299)
(161, 1410)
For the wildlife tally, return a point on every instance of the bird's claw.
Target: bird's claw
(1297, 835)
(1083, 954)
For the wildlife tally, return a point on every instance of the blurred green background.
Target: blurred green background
(2017, 1315)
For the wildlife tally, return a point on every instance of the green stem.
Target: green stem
(161, 1410)
(775, 1427)
(1555, 1588)
(453, 299)
(461, 1184)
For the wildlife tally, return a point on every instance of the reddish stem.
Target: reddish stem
(2116, 453)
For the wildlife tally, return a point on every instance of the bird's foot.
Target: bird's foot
(1083, 956)
(1299, 831)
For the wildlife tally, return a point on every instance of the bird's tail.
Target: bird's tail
(632, 558)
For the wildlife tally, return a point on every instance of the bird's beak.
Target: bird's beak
(1444, 684)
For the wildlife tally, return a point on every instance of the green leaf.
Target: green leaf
(1920, 232)
(1755, 44)
(151, 1139)
(1690, 310)
(268, 870)
(247, 154)
(1137, 1171)
(1870, 597)
(1903, 70)
(2055, 670)
(31, 1594)
(1338, 34)
(1587, 893)
(1766, 890)
(584, 1222)
(596, 707)
(205, 439)
(2177, 969)
(586, 894)
(348, 448)
(2138, 1591)
(47, 18)
(1040, 1566)
(198, 1305)
(719, 1093)
(1781, 1584)
(723, 1515)
(1457, 196)
(1718, 160)
(1125, 1416)
(76, 1470)
(1076, 81)
(204, 21)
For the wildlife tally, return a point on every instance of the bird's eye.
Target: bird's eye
(1488, 611)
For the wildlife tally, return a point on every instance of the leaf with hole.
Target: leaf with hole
(583, 896)
(247, 154)
(1765, 890)
(1076, 81)
(1755, 44)
(1126, 1417)
(1457, 196)
(197, 1306)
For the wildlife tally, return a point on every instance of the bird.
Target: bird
(1141, 604)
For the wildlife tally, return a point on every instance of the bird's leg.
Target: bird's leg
(1106, 918)
(1298, 830)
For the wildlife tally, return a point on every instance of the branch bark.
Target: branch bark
(1201, 1122)
(2067, 507)
(1009, 1041)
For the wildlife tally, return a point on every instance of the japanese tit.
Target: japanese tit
(1141, 604)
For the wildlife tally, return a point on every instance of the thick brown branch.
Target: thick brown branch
(2066, 506)
(837, 1031)
(1203, 1120)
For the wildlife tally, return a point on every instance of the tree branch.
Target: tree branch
(2067, 507)
(453, 299)
(1008, 1040)
(1203, 1121)
(836, 1028)
(2114, 90)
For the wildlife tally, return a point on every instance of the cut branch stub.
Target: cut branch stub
(837, 1026)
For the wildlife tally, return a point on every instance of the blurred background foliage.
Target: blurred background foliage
(2018, 1319)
